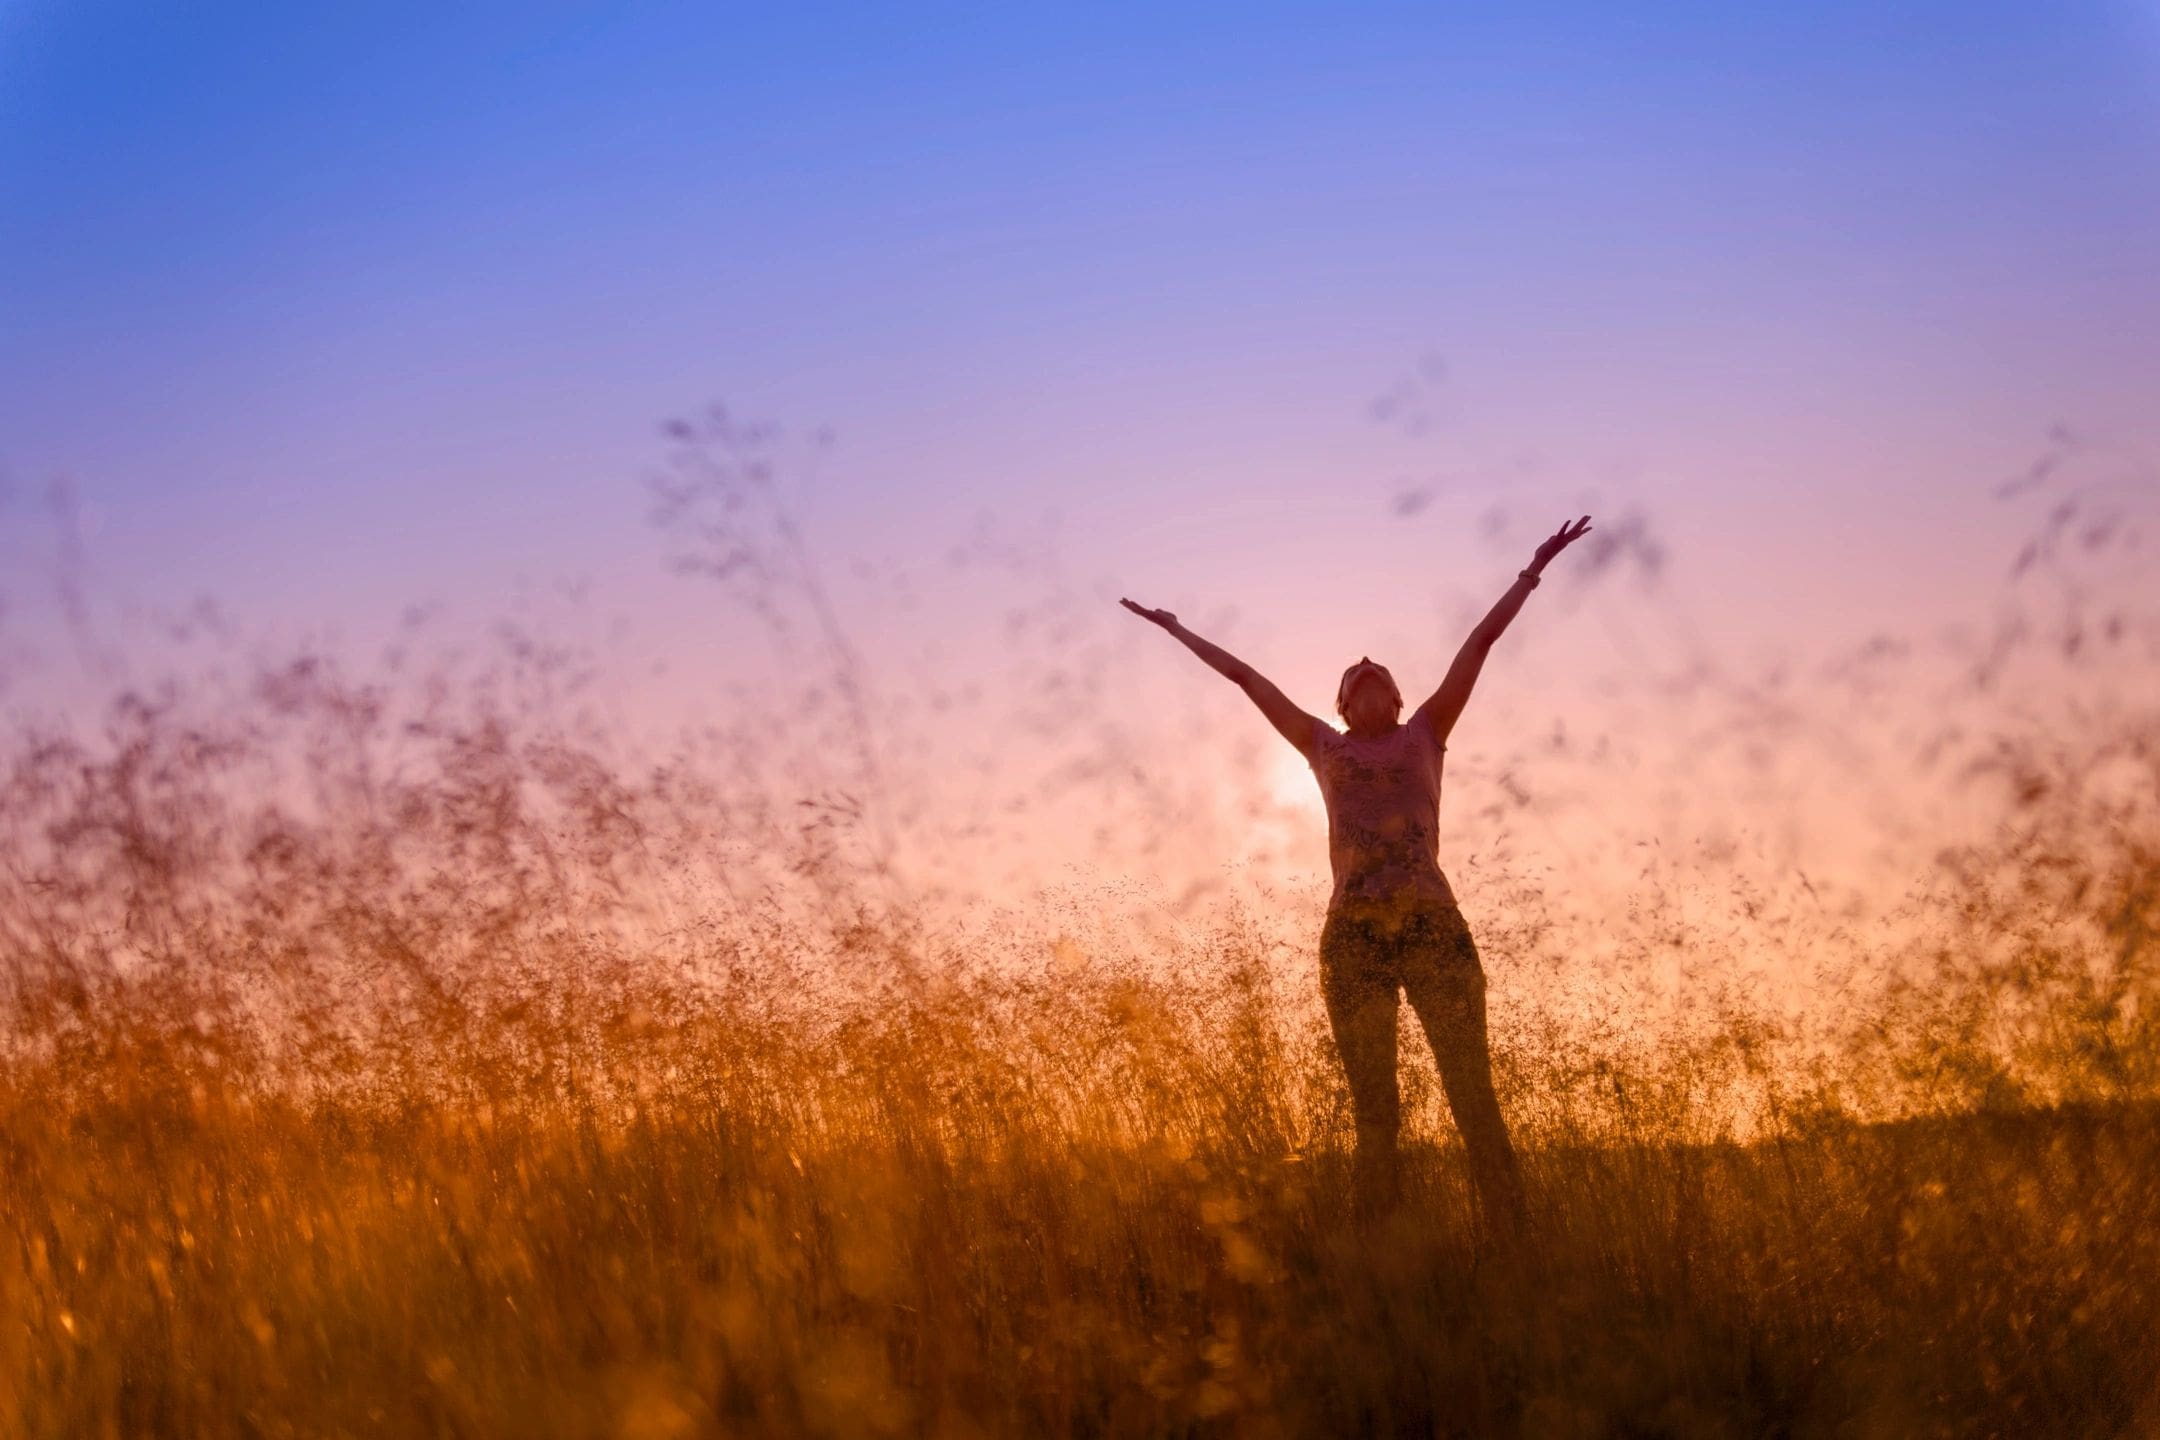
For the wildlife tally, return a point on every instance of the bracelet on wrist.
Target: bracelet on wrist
(1529, 575)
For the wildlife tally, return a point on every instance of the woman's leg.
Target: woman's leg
(1445, 981)
(1360, 989)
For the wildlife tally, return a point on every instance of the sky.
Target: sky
(1304, 322)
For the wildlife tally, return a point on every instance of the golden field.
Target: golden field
(393, 1056)
(363, 1110)
(1047, 1212)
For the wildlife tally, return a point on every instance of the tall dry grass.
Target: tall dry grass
(386, 1059)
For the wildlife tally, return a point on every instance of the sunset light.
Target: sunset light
(1009, 721)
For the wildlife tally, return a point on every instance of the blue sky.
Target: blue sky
(325, 309)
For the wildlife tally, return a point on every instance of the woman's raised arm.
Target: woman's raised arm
(1293, 724)
(1445, 705)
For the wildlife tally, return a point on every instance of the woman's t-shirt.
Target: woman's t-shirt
(1383, 808)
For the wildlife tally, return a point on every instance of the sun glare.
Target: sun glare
(1291, 782)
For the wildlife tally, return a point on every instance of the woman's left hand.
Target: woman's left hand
(1565, 536)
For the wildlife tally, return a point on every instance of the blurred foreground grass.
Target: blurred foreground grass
(1069, 1207)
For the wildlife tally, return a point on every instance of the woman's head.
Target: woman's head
(1368, 698)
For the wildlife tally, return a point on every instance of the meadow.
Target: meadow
(389, 1054)
(344, 1096)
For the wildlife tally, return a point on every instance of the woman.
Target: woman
(1393, 926)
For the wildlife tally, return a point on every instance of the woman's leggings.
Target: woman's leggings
(1365, 959)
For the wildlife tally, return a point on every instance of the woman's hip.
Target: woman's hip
(1365, 936)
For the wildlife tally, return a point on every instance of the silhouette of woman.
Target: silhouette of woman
(1393, 926)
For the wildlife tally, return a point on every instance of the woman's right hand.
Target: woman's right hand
(1163, 618)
